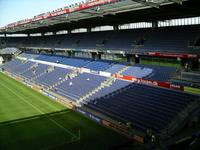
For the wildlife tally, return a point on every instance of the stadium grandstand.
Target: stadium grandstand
(102, 74)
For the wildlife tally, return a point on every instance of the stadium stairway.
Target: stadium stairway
(49, 69)
(122, 70)
(18, 52)
(28, 69)
(84, 99)
(72, 75)
(107, 83)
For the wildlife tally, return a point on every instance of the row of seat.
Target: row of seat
(139, 71)
(144, 106)
(169, 39)
(80, 85)
(42, 74)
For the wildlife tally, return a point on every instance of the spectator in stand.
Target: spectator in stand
(70, 83)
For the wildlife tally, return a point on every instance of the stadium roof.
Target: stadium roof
(106, 12)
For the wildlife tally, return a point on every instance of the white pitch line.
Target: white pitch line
(44, 102)
(37, 109)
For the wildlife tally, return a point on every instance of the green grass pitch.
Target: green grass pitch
(29, 120)
(192, 90)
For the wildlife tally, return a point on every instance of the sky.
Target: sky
(15, 10)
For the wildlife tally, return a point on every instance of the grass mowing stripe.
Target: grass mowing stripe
(32, 93)
(10, 107)
(192, 90)
(32, 96)
(37, 109)
(43, 134)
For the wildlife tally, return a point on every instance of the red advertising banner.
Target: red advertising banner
(138, 138)
(172, 55)
(150, 82)
(88, 4)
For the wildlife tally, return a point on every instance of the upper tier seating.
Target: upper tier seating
(167, 39)
(171, 40)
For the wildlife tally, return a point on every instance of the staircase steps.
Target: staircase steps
(104, 84)
(34, 65)
(72, 75)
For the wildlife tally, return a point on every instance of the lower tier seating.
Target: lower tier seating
(144, 106)
(79, 86)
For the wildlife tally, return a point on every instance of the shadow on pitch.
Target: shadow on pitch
(56, 113)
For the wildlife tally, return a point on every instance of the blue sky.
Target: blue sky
(15, 10)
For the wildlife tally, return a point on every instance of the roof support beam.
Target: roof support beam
(148, 3)
(176, 1)
(152, 4)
